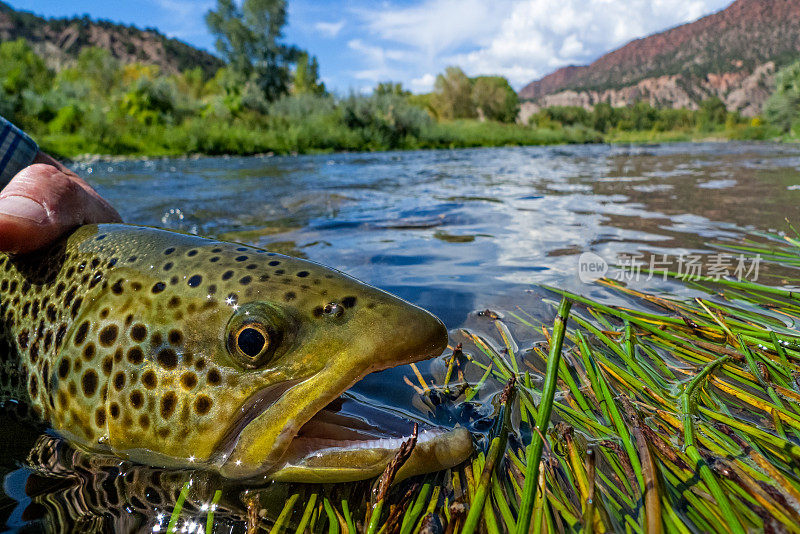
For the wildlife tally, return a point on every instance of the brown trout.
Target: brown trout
(174, 350)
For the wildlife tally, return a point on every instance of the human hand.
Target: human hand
(43, 201)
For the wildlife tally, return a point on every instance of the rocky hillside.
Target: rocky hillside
(61, 39)
(732, 54)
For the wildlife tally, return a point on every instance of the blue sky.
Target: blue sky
(361, 42)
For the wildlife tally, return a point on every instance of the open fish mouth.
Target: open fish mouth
(353, 439)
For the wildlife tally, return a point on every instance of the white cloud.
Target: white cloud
(380, 64)
(424, 83)
(520, 39)
(329, 29)
(181, 17)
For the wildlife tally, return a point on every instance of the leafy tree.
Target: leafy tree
(712, 113)
(604, 117)
(453, 95)
(783, 106)
(21, 68)
(151, 101)
(494, 98)
(24, 79)
(390, 88)
(306, 76)
(249, 39)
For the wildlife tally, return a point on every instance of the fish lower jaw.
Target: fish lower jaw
(325, 446)
(350, 461)
(351, 440)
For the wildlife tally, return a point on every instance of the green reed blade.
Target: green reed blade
(176, 511)
(534, 453)
(211, 508)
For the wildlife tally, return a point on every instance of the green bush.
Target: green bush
(783, 106)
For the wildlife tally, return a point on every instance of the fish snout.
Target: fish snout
(414, 335)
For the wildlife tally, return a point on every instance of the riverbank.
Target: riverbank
(183, 141)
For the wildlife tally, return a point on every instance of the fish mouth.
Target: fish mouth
(349, 439)
(353, 439)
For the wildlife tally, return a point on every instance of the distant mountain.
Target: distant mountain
(60, 40)
(732, 54)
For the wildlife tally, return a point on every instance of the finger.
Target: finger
(41, 203)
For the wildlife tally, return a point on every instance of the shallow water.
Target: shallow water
(456, 232)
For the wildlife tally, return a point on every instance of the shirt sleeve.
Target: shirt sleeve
(17, 151)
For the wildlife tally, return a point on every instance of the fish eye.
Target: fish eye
(252, 340)
(255, 333)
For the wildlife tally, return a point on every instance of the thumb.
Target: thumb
(41, 203)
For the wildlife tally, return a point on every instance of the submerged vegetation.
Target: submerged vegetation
(671, 415)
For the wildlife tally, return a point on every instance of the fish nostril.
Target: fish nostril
(332, 309)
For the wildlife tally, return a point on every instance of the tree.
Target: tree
(391, 88)
(783, 106)
(21, 69)
(453, 95)
(494, 98)
(248, 37)
(306, 76)
(712, 113)
(24, 79)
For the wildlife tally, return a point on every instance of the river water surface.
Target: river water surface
(456, 232)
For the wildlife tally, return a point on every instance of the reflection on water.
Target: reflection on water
(452, 231)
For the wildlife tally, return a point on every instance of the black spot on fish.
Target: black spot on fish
(22, 339)
(189, 380)
(89, 382)
(100, 417)
(191, 253)
(194, 280)
(135, 355)
(158, 287)
(149, 379)
(175, 337)
(137, 399)
(202, 404)
(138, 332)
(214, 377)
(349, 302)
(168, 402)
(167, 359)
(303, 274)
(63, 368)
(96, 279)
(76, 306)
(241, 258)
(116, 288)
(169, 251)
(108, 335)
(119, 381)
